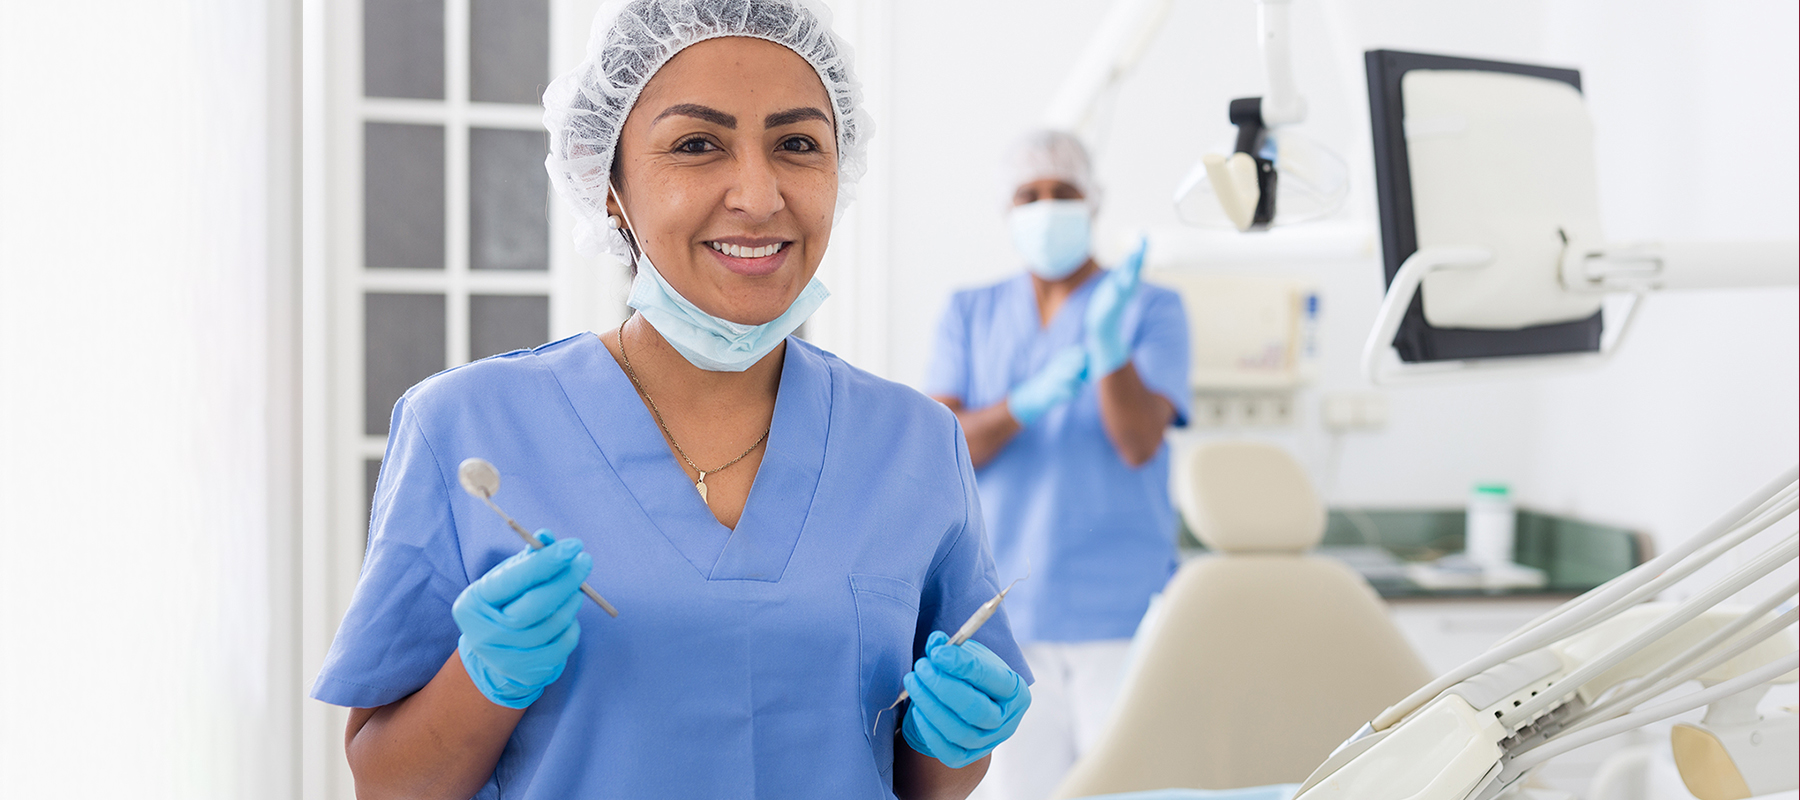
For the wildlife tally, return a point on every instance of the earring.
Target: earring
(613, 222)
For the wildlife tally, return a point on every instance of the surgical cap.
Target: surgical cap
(1048, 153)
(586, 108)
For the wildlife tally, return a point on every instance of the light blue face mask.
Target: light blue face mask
(707, 342)
(1052, 236)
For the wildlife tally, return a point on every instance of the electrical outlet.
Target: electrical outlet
(1242, 410)
(1341, 412)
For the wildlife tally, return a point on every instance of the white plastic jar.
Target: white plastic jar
(1488, 539)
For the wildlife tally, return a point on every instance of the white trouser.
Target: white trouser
(1073, 695)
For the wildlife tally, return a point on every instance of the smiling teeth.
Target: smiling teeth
(747, 252)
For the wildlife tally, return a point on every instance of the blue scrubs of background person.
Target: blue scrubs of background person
(785, 537)
(1065, 378)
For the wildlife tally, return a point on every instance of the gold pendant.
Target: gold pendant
(700, 486)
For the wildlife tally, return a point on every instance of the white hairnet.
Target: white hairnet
(1049, 153)
(586, 108)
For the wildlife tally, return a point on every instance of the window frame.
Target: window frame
(584, 294)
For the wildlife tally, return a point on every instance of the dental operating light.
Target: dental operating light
(1274, 175)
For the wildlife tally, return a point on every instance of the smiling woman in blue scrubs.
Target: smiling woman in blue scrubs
(1065, 378)
(785, 536)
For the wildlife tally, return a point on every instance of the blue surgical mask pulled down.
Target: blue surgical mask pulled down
(1052, 236)
(706, 341)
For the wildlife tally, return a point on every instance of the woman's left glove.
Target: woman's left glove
(965, 701)
(1105, 332)
(518, 621)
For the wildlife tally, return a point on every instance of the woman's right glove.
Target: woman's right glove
(965, 701)
(1057, 383)
(518, 621)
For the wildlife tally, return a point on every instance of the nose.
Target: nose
(756, 188)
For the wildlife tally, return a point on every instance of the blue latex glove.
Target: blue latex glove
(1055, 384)
(965, 701)
(518, 621)
(1107, 349)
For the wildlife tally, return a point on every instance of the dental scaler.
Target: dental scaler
(480, 479)
(968, 629)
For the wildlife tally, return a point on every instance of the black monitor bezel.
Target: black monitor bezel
(1418, 340)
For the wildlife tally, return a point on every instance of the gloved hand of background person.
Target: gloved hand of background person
(518, 621)
(1054, 385)
(1107, 349)
(965, 701)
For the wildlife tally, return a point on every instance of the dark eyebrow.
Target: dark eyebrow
(711, 115)
(794, 115)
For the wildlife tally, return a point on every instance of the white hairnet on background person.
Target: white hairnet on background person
(586, 108)
(1048, 153)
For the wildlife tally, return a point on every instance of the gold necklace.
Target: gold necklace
(699, 485)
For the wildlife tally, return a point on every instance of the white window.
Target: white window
(441, 243)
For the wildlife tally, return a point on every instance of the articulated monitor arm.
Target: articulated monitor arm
(1632, 269)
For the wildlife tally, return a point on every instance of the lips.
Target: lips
(740, 251)
(751, 259)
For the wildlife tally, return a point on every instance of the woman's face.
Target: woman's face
(728, 171)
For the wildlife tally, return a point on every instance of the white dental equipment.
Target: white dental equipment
(481, 479)
(1582, 673)
(1490, 225)
(1271, 160)
(1496, 265)
(1502, 259)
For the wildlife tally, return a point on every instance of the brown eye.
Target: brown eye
(698, 144)
(799, 144)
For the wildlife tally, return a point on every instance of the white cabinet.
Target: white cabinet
(1448, 632)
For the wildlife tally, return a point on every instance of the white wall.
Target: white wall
(1695, 110)
(146, 644)
(1695, 116)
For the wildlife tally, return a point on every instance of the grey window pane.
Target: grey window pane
(403, 343)
(509, 50)
(403, 48)
(403, 196)
(371, 472)
(507, 191)
(500, 323)
(371, 475)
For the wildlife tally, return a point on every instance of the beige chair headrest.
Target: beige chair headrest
(1246, 497)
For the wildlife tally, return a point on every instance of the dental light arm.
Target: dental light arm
(1123, 36)
(1583, 673)
(1283, 104)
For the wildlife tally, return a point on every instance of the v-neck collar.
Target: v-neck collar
(1071, 312)
(780, 496)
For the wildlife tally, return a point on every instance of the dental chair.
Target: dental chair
(1260, 658)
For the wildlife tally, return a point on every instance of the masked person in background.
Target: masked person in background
(1065, 378)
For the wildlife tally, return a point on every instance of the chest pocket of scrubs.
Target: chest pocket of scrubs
(887, 618)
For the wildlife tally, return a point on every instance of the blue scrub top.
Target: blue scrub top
(1099, 536)
(746, 663)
